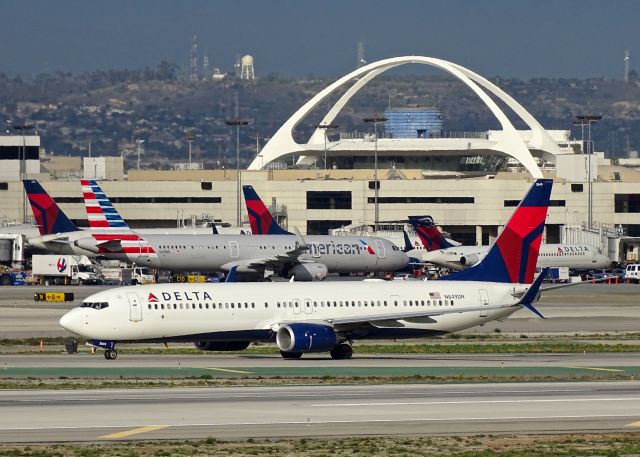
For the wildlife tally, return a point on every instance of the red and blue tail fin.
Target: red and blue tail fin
(261, 220)
(427, 230)
(49, 217)
(514, 255)
(100, 211)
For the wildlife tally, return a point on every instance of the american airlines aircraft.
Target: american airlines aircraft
(56, 233)
(325, 317)
(441, 251)
(306, 259)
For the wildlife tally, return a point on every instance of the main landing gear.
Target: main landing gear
(110, 354)
(341, 351)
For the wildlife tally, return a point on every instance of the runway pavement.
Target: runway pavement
(35, 416)
(585, 308)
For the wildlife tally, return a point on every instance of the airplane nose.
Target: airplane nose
(70, 321)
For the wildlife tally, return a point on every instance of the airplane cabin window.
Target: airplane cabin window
(155, 306)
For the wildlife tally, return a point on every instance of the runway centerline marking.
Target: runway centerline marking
(227, 370)
(473, 402)
(134, 431)
(634, 424)
(597, 369)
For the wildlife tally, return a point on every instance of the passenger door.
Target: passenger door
(380, 250)
(234, 251)
(135, 308)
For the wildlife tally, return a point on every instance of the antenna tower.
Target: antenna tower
(361, 61)
(194, 58)
(627, 61)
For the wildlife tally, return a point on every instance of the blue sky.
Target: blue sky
(510, 38)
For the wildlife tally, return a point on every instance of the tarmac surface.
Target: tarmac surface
(305, 411)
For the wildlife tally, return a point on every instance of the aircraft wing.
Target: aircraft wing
(391, 319)
(273, 261)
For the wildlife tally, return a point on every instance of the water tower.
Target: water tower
(246, 71)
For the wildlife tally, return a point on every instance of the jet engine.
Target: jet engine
(88, 244)
(221, 345)
(470, 259)
(312, 271)
(306, 338)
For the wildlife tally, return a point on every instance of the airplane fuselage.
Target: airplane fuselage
(340, 254)
(253, 312)
(575, 256)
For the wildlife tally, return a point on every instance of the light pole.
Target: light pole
(189, 137)
(139, 143)
(582, 120)
(326, 127)
(376, 185)
(237, 122)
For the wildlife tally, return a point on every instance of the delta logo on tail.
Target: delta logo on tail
(427, 230)
(49, 217)
(152, 298)
(61, 264)
(261, 220)
(514, 255)
(369, 248)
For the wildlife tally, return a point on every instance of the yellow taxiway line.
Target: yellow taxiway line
(598, 369)
(226, 370)
(634, 424)
(133, 431)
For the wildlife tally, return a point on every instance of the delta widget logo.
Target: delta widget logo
(369, 248)
(152, 298)
(61, 264)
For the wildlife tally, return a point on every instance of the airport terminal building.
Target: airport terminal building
(469, 183)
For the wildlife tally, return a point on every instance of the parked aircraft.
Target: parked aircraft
(56, 233)
(325, 317)
(305, 259)
(441, 251)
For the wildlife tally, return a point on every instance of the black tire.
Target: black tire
(47, 282)
(341, 351)
(290, 355)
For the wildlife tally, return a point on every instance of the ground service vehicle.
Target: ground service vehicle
(64, 269)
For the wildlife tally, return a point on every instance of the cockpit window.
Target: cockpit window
(94, 305)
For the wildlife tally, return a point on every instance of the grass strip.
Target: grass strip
(534, 445)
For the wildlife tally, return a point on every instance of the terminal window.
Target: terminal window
(576, 187)
(324, 226)
(147, 199)
(413, 200)
(508, 203)
(206, 185)
(4, 186)
(329, 200)
(627, 203)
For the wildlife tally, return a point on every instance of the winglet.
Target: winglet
(214, 229)
(232, 276)
(532, 294)
(407, 242)
(49, 217)
(261, 220)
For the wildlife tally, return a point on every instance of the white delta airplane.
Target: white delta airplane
(450, 254)
(325, 317)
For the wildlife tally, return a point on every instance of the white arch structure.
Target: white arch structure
(509, 142)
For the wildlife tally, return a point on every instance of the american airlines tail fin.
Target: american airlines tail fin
(49, 217)
(427, 230)
(100, 211)
(261, 220)
(514, 255)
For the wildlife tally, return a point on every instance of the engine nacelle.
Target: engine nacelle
(306, 338)
(469, 260)
(309, 271)
(221, 345)
(88, 244)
